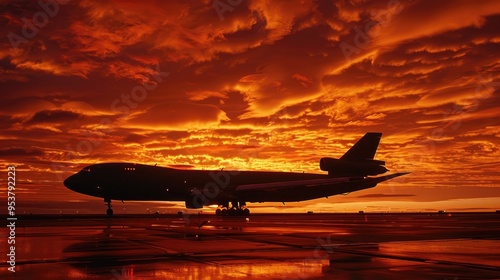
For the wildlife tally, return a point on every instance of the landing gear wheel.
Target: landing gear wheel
(239, 212)
(238, 208)
(109, 212)
(246, 212)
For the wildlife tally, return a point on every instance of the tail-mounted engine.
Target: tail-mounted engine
(345, 168)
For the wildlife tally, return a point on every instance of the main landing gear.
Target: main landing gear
(109, 212)
(237, 209)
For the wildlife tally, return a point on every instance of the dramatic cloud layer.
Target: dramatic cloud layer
(272, 85)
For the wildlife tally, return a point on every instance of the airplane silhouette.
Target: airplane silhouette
(198, 188)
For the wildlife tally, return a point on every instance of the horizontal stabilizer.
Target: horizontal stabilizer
(387, 177)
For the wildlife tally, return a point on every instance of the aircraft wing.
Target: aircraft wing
(274, 186)
(279, 186)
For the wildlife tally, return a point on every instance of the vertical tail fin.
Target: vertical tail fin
(365, 148)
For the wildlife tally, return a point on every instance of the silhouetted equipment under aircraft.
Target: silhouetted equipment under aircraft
(198, 188)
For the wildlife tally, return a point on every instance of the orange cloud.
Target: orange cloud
(177, 116)
(267, 87)
(204, 94)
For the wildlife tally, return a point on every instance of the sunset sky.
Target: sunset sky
(253, 85)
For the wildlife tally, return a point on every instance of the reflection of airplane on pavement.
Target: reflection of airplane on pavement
(198, 188)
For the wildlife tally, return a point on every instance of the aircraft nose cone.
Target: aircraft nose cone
(71, 182)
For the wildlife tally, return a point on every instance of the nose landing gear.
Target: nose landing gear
(109, 212)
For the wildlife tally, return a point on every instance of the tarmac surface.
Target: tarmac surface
(262, 246)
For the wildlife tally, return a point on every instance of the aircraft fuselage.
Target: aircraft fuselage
(128, 181)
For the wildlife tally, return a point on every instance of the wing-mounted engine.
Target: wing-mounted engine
(345, 168)
(192, 204)
(196, 199)
(209, 195)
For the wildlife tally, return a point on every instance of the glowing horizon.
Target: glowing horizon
(253, 86)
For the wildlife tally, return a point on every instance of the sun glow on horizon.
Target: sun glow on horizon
(265, 86)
